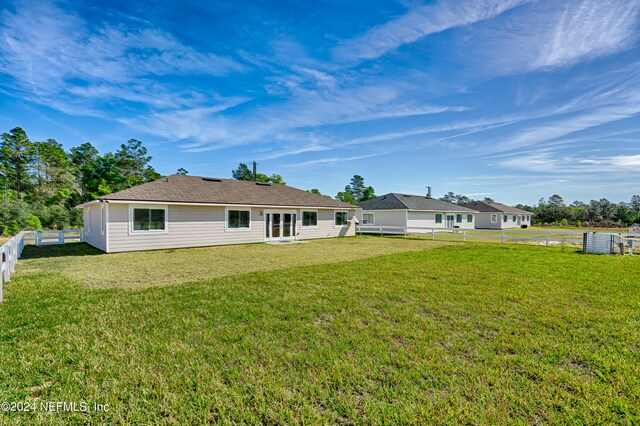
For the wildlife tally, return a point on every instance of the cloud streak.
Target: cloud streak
(418, 23)
(56, 58)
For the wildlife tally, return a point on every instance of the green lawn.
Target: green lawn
(475, 333)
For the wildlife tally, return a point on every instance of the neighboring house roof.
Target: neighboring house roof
(493, 207)
(395, 201)
(204, 190)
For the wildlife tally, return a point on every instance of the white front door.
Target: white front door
(280, 225)
(450, 219)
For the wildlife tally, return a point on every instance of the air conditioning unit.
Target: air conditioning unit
(602, 243)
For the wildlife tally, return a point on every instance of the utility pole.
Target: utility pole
(255, 169)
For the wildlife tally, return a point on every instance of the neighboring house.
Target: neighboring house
(191, 211)
(415, 211)
(499, 216)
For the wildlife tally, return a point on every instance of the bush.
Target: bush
(56, 217)
(33, 223)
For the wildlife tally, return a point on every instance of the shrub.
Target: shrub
(33, 223)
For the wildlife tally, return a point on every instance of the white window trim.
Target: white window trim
(334, 218)
(153, 207)
(226, 219)
(88, 220)
(461, 217)
(494, 218)
(472, 218)
(372, 214)
(442, 218)
(302, 225)
(103, 219)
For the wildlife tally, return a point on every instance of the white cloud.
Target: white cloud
(55, 58)
(551, 34)
(626, 161)
(332, 160)
(420, 22)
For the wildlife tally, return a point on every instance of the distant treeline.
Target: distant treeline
(42, 182)
(555, 212)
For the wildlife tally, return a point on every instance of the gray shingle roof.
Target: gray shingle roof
(493, 207)
(198, 189)
(395, 201)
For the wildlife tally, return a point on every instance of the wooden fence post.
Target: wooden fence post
(502, 238)
(547, 240)
(464, 235)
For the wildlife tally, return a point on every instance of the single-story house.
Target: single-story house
(415, 211)
(191, 211)
(499, 216)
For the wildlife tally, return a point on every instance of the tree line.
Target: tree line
(555, 212)
(42, 182)
(596, 213)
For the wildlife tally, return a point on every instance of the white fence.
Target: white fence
(11, 250)
(504, 235)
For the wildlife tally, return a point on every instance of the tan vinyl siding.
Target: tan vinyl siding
(428, 220)
(199, 226)
(483, 220)
(188, 226)
(326, 225)
(92, 227)
(386, 217)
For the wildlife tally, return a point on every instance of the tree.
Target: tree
(243, 173)
(317, 192)
(133, 161)
(489, 200)
(182, 172)
(450, 197)
(356, 187)
(368, 194)
(53, 171)
(83, 161)
(357, 190)
(17, 155)
(556, 201)
(345, 197)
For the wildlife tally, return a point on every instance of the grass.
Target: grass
(459, 334)
(135, 270)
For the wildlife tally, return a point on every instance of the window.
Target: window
(103, 219)
(341, 218)
(494, 218)
(149, 220)
(458, 218)
(505, 218)
(469, 218)
(514, 218)
(309, 218)
(87, 219)
(438, 217)
(368, 218)
(239, 219)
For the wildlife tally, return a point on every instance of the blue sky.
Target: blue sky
(512, 99)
